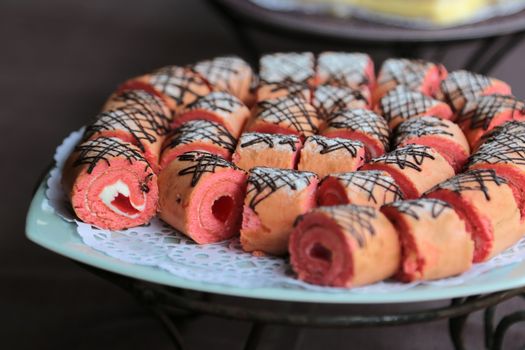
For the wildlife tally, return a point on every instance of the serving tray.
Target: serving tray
(48, 229)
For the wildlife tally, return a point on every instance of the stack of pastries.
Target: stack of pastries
(414, 173)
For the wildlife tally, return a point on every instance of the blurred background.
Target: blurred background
(59, 60)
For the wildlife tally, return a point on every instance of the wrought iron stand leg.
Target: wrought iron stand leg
(488, 320)
(505, 323)
(512, 41)
(456, 325)
(170, 327)
(254, 337)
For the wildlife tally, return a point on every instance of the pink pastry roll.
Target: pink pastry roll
(219, 107)
(201, 195)
(228, 73)
(490, 111)
(513, 129)
(415, 168)
(296, 67)
(361, 125)
(402, 104)
(434, 240)
(443, 135)
(344, 246)
(486, 203)
(180, 86)
(329, 99)
(323, 155)
(110, 184)
(274, 199)
(142, 127)
(285, 116)
(203, 135)
(415, 74)
(354, 70)
(140, 96)
(272, 91)
(505, 154)
(267, 150)
(372, 187)
(461, 87)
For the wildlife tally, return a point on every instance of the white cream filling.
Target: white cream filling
(110, 192)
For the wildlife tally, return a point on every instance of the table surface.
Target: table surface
(355, 29)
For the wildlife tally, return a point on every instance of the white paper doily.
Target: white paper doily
(157, 244)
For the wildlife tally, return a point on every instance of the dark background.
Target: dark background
(59, 60)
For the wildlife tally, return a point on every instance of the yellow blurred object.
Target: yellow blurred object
(441, 12)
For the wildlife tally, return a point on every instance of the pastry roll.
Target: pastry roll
(110, 184)
(415, 168)
(490, 111)
(415, 74)
(434, 240)
(268, 150)
(323, 155)
(354, 70)
(230, 74)
(462, 86)
(443, 135)
(331, 99)
(361, 125)
(140, 96)
(274, 199)
(369, 187)
(402, 104)
(297, 67)
(201, 195)
(285, 116)
(272, 91)
(142, 127)
(344, 246)
(203, 135)
(485, 202)
(219, 107)
(180, 86)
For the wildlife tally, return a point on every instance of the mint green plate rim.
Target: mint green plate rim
(47, 229)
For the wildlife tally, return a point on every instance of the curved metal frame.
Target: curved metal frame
(171, 305)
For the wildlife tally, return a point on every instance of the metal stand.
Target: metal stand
(172, 306)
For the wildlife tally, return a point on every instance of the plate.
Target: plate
(46, 228)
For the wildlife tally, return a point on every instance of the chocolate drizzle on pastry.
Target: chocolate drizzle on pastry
(225, 70)
(488, 107)
(411, 207)
(329, 145)
(472, 180)
(403, 71)
(205, 130)
(200, 163)
(263, 182)
(500, 150)
(401, 103)
(291, 112)
(410, 156)
(216, 101)
(511, 131)
(419, 127)
(104, 149)
(329, 99)
(181, 84)
(462, 85)
(353, 219)
(142, 125)
(287, 67)
(141, 100)
(361, 120)
(369, 180)
(344, 69)
(270, 140)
